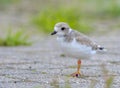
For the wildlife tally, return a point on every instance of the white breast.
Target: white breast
(75, 49)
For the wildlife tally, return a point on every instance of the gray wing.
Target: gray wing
(83, 39)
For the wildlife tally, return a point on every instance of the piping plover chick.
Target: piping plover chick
(75, 44)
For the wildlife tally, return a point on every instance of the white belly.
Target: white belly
(77, 50)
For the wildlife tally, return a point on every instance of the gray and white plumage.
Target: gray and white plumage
(74, 43)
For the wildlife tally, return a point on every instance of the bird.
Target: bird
(75, 44)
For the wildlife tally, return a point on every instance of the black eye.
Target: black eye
(62, 28)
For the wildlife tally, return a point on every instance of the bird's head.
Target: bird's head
(61, 29)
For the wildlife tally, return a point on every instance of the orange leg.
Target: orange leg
(77, 73)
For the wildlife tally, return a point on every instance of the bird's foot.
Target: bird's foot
(76, 74)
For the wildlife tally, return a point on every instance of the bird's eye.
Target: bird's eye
(62, 28)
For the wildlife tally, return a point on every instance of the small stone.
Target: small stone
(15, 81)
(30, 67)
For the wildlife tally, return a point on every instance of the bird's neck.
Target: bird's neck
(65, 37)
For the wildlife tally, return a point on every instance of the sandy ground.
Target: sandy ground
(41, 66)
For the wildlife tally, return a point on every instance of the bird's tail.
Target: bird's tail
(100, 48)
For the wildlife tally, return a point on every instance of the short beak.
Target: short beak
(53, 33)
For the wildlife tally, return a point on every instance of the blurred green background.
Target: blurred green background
(38, 17)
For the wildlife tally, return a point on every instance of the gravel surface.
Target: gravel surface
(42, 66)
